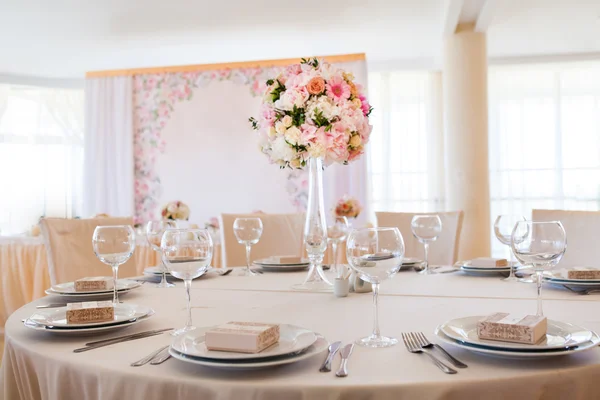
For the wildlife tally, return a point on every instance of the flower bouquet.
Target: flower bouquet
(348, 207)
(175, 210)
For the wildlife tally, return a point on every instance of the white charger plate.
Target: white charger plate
(55, 320)
(274, 262)
(582, 284)
(562, 275)
(68, 288)
(411, 261)
(482, 272)
(559, 335)
(283, 268)
(519, 354)
(318, 347)
(157, 271)
(292, 339)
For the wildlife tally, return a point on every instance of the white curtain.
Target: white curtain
(351, 179)
(108, 165)
(41, 155)
(544, 143)
(406, 154)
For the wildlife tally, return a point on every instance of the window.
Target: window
(544, 139)
(405, 159)
(41, 155)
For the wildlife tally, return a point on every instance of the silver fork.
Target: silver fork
(413, 347)
(426, 344)
(149, 357)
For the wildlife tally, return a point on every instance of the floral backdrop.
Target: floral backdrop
(155, 97)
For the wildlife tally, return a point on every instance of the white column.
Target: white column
(466, 137)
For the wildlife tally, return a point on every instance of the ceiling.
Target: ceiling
(65, 38)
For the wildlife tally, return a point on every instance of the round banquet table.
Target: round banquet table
(40, 365)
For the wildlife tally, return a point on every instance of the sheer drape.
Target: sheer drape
(544, 144)
(406, 163)
(41, 155)
(108, 163)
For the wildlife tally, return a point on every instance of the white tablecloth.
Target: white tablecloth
(42, 366)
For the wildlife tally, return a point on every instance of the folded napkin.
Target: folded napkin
(582, 273)
(489, 262)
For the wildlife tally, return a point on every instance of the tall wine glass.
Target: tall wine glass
(154, 234)
(114, 245)
(187, 254)
(248, 232)
(503, 228)
(541, 244)
(376, 255)
(426, 228)
(337, 231)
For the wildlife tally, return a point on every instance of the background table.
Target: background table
(38, 364)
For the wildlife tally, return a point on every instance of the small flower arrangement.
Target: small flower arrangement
(212, 223)
(348, 207)
(313, 109)
(176, 210)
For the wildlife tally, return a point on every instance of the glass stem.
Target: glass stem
(248, 247)
(334, 247)
(426, 250)
(510, 261)
(115, 269)
(188, 286)
(376, 331)
(163, 281)
(538, 275)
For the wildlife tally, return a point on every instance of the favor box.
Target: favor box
(487, 262)
(93, 283)
(583, 274)
(505, 327)
(242, 337)
(90, 311)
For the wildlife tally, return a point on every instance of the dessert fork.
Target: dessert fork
(413, 347)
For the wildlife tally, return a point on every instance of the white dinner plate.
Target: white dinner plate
(157, 271)
(55, 320)
(283, 268)
(482, 272)
(562, 275)
(573, 284)
(275, 262)
(519, 354)
(410, 261)
(292, 339)
(467, 266)
(318, 347)
(559, 335)
(68, 289)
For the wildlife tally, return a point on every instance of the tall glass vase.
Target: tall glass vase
(315, 230)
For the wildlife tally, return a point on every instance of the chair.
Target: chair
(443, 251)
(282, 236)
(583, 231)
(70, 251)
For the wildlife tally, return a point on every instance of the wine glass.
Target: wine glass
(541, 244)
(376, 255)
(248, 232)
(337, 231)
(114, 245)
(426, 228)
(187, 254)
(154, 234)
(503, 228)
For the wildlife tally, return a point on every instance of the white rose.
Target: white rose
(316, 150)
(287, 121)
(292, 135)
(296, 163)
(280, 150)
(272, 132)
(280, 127)
(172, 208)
(356, 141)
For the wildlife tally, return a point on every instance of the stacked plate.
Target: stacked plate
(410, 262)
(295, 344)
(471, 269)
(157, 271)
(561, 339)
(55, 320)
(561, 277)
(68, 290)
(274, 264)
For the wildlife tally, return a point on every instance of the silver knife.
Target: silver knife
(333, 348)
(88, 348)
(128, 336)
(345, 353)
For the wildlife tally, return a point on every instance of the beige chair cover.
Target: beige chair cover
(443, 251)
(70, 252)
(583, 231)
(282, 236)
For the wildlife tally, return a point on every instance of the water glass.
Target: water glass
(426, 228)
(154, 234)
(114, 245)
(248, 232)
(503, 228)
(187, 254)
(376, 255)
(541, 244)
(337, 231)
